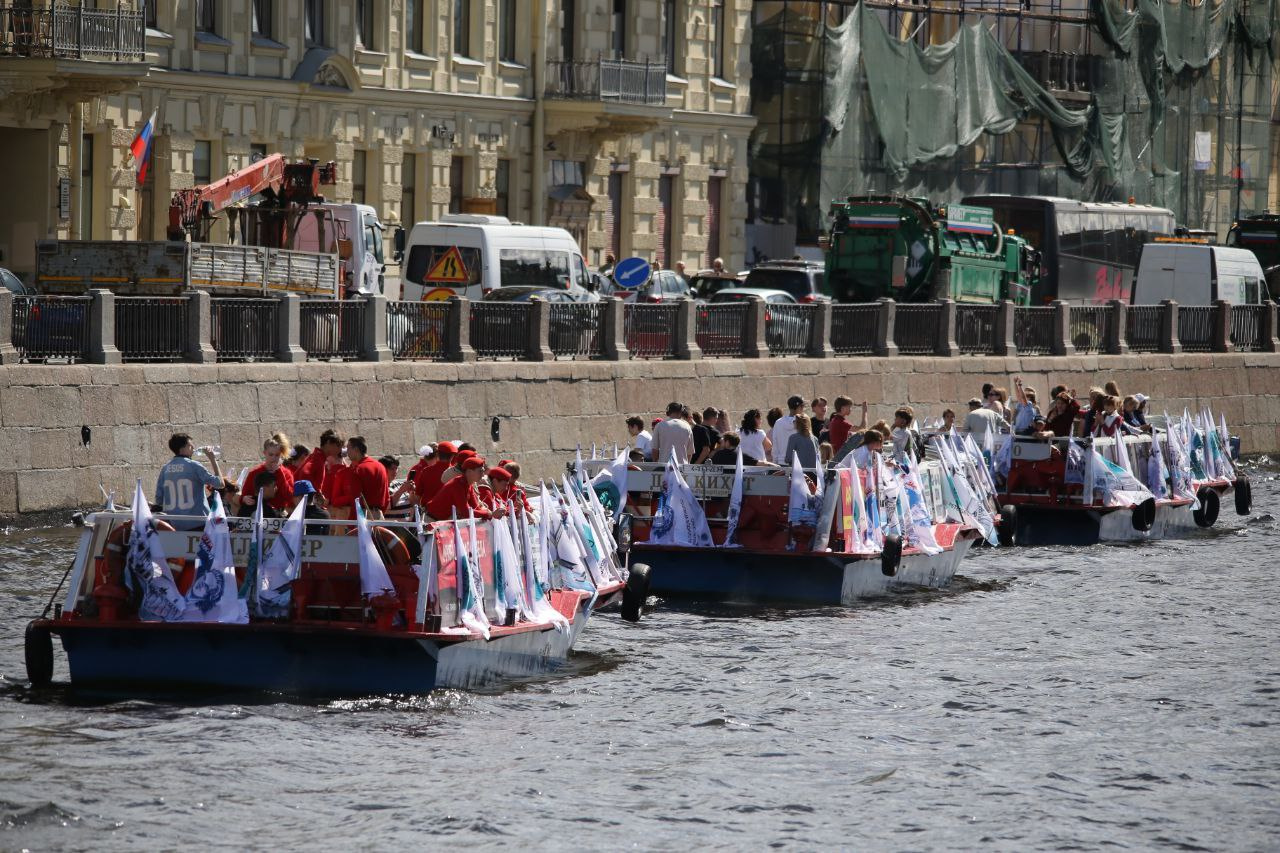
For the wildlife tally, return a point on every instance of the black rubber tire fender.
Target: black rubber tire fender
(1144, 515)
(38, 650)
(891, 556)
(1210, 505)
(636, 592)
(1244, 496)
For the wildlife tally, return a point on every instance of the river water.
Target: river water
(1053, 699)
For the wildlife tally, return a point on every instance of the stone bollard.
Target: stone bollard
(289, 342)
(199, 346)
(946, 345)
(538, 346)
(1005, 319)
(613, 329)
(457, 336)
(1118, 341)
(1169, 327)
(885, 318)
(1267, 334)
(102, 328)
(1220, 332)
(1062, 343)
(8, 352)
(687, 348)
(373, 337)
(820, 332)
(754, 342)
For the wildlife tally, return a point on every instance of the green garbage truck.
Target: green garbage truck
(912, 251)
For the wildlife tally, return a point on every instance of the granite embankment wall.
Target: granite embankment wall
(544, 410)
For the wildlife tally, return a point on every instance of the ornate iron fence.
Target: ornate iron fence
(976, 329)
(152, 328)
(500, 329)
(853, 329)
(788, 328)
(576, 329)
(1090, 327)
(1246, 327)
(1195, 328)
(915, 329)
(721, 328)
(650, 330)
(73, 32)
(418, 330)
(333, 328)
(1033, 330)
(1142, 328)
(608, 80)
(246, 329)
(51, 328)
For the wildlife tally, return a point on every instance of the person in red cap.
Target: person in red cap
(502, 489)
(427, 482)
(459, 495)
(518, 495)
(455, 470)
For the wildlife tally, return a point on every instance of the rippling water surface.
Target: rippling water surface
(1053, 699)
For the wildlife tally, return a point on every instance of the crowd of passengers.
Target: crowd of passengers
(829, 431)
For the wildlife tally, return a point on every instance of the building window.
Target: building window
(207, 16)
(502, 187)
(618, 30)
(152, 22)
(666, 186)
(715, 204)
(462, 27)
(719, 40)
(413, 19)
(408, 194)
(364, 24)
(263, 12)
(313, 22)
(359, 170)
(670, 46)
(86, 186)
(569, 13)
(202, 162)
(507, 24)
(457, 167)
(613, 216)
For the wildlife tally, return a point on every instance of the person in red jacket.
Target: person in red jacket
(459, 495)
(366, 479)
(273, 452)
(501, 489)
(322, 462)
(426, 483)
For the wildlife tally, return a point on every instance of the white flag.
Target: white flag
(1155, 469)
(147, 566)
(281, 565)
(213, 596)
(801, 508)
(735, 504)
(374, 579)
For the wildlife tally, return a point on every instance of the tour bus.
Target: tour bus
(472, 254)
(1088, 250)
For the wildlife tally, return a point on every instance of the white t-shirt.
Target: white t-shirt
(643, 441)
(752, 443)
(673, 432)
(782, 432)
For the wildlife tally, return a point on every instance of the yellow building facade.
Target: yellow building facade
(624, 121)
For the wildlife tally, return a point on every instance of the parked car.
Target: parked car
(49, 329)
(802, 279)
(707, 284)
(12, 283)
(785, 327)
(569, 333)
(664, 286)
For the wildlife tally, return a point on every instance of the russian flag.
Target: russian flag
(141, 147)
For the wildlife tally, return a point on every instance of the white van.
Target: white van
(471, 254)
(1196, 274)
(362, 269)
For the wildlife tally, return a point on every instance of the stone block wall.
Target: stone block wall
(544, 410)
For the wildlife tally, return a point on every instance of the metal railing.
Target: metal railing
(332, 329)
(576, 329)
(650, 330)
(721, 329)
(915, 329)
(73, 32)
(246, 329)
(1246, 327)
(51, 328)
(608, 80)
(1090, 327)
(1033, 329)
(976, 329)
(788, 328)
(500, 329)
(853, 329)
(152, 328)
(1142, 328)
(1195, 328)
(418, 330)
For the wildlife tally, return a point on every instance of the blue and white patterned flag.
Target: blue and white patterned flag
(735, 504)
(213, 595)
(146, 564)
(279, 567)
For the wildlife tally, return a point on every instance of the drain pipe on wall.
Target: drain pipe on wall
(539, 142)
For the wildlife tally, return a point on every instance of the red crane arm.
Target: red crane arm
(188, 207)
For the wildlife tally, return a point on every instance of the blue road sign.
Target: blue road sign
(632, 272)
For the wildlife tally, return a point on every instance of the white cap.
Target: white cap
(426, 450)
(1141, 398)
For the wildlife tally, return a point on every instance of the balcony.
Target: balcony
(1069, 76)
(608, 97)
(72, 32)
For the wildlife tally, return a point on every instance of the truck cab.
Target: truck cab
(1197, 274)
(363, 260)
(1261, 235)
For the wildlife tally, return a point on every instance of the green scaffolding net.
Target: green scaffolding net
(1175, 106)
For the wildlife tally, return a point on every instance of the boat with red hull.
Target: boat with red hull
(334, 640)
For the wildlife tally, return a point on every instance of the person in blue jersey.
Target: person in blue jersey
(180, 489)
